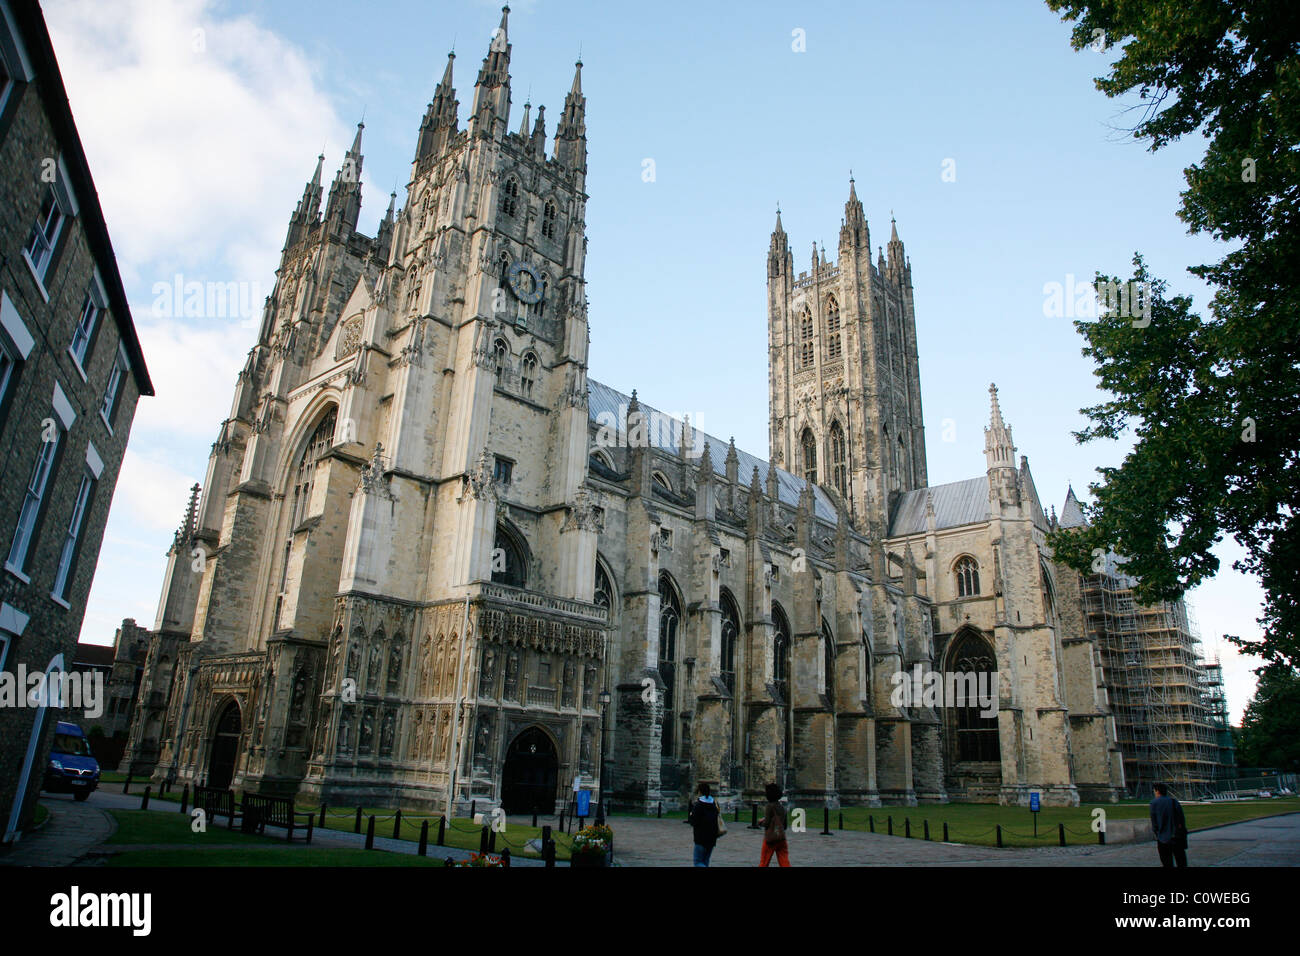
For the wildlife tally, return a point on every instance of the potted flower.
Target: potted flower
(591, 846)
(481, 859)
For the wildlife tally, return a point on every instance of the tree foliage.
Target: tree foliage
(1270, 727)
(1214, 401)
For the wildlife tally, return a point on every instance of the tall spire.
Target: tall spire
(440, 119)
(897, 259)
(854, 232)
(999, 448)
(492, 90)
(571, 133)
(307, 212)
(344, 206)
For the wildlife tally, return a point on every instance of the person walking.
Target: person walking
(1170, 827)
(703, 818)
(774, 830)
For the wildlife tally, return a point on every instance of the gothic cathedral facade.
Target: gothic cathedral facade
(432, 562)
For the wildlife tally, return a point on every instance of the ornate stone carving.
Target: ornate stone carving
(349, 337)
(374, 481)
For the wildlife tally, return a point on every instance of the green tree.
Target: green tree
(1214, 401)
(1270, 727)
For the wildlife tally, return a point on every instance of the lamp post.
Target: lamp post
(604, 709)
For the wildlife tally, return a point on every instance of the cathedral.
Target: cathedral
(433, 562)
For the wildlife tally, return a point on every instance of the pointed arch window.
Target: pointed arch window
(828, 663)
(839, 467)
(833, 346)
(500, 358)
(976, 734)
(304, 478)
(670, 616)
(781, 653)
(528, 374)
(809, 445)
(604, 593)
(548, 219)
(509, 566)
(805, 339)
(967, 571)
(510, 197)
(730, 637)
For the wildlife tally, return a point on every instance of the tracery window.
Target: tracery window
(670, 616)
(828, 650)
(500, 351)
(548, 220)
(967, 571)
(730, 635)
(805, 339)
(839, 468)
(528, 374)
(976, 734)
(510, 197)
(809, 444)
(781, 653)
(604, 596)
(833, 347)
(508, 563)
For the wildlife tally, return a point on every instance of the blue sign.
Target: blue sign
(584, 803)
(1033, 802)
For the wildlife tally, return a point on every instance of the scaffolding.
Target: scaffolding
(1170, 715)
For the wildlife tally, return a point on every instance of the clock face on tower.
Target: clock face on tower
(525, 283)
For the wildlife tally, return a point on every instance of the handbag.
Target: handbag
(776, 829)
(722, 824)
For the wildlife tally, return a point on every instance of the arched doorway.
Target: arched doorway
(225, 747)
(530, 774)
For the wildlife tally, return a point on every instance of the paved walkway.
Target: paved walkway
(1273, 841)
(70, 832)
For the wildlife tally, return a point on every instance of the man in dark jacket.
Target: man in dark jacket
(1170, 828)
(703, 818)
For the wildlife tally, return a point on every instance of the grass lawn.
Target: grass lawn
(975, 823)
(39, 816)
(462, 832)
(145, 826)
(256, 856)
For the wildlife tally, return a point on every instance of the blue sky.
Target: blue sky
(200, 145)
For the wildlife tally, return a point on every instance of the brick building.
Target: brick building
(71, 372)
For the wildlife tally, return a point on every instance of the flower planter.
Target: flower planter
(590, 859)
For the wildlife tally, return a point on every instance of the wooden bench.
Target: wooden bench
(213, 801)
(260, 811)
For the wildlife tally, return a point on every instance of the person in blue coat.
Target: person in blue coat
(1170, 827)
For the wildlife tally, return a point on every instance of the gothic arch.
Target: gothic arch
(509, 202)
(514, 549)
(837, 459)
(295, 441)
(808, 455)
(973, 737)
(828, 654)
(662, 479)
(606, 594)
(730, 650)
(670, 624)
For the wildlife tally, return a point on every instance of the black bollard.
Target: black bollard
(126, 786)
(357, 827)
(473, 807)
(492, 840)
(891, 824)
(737, 820)
(397, 825)
(841, 819)
(310, 821)
(370, 832)
(548, 847)
(442, 830)
(424, 839)
(999, 836)
(483, 840)
(1101, 837)
(185, 799)
(871, 823)
(826, 821)
(945, 831)
(907, 827)
(322, 816)
(144, 804)
(534, 818)
(927, 829)
(562, 830)
(505, 857)
(659, 813)
(1061, 832)
(753, 816)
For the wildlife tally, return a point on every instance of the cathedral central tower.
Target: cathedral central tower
(845, 384)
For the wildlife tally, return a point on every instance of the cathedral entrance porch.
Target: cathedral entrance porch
(530, 776)
(224, 750)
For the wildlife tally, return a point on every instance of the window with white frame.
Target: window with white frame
(113, 391)
(37, 486)
(91, 310)
(8, 364)
(73, 538)
(45, 234)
